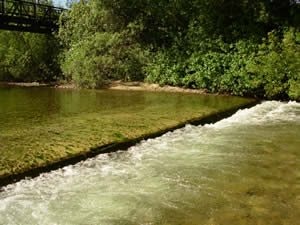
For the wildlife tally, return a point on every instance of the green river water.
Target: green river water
(241, 170)
(43, 125)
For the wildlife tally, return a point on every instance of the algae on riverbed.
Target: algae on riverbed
(39, 126)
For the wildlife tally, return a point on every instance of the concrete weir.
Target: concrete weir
(120, 145)
(233, 171)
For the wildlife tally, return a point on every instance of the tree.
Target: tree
(28, 57)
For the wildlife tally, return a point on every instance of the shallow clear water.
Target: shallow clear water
(42, 125)
(242, 170)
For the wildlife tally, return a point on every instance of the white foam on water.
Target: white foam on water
(267, 112)
(176, 172)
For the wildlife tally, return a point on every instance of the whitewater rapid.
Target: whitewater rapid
(241, 170)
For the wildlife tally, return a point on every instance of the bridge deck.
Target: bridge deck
(30, 16)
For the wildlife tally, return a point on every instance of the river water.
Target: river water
(241, 170)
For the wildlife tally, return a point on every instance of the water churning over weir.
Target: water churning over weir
(241, 170)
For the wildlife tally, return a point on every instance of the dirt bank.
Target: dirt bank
(113, 85)
(141, 86)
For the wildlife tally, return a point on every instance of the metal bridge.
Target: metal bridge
(28, 16)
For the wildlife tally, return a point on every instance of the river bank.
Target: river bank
(64, 126)
(130, 86)
(114, 85)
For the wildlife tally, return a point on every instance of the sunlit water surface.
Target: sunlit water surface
(39, 125)
(242, 170)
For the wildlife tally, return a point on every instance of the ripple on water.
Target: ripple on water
(240, 170)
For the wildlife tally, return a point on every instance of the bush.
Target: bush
(246, 68)
(103, 56)
(165, 69)
(244, 50)
(278, 64)
(28, 57)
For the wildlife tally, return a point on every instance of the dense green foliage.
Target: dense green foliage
(244, 47)
(240, 47)
(103, 56)
(269, 69)
(28, 57)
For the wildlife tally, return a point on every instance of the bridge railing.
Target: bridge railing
(29, 10)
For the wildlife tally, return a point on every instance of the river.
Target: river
(241, 170)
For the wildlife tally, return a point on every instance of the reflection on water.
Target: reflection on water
(39, 104)
(241, 170)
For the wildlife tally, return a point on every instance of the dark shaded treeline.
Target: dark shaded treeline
(240, 47)
(28, 57)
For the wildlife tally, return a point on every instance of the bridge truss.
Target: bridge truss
(28, 16)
